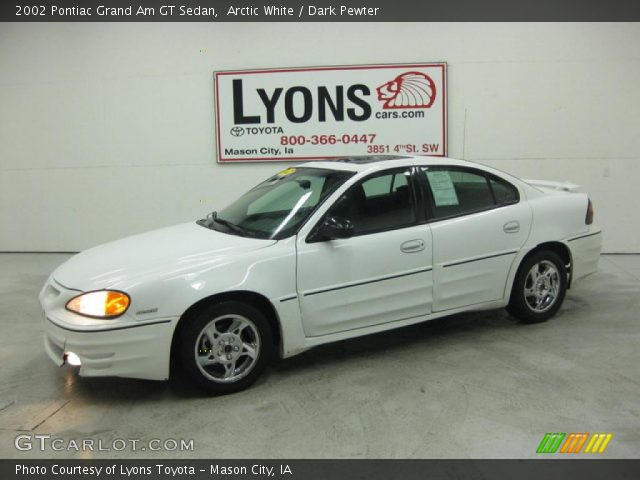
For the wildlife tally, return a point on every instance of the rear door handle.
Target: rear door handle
(411, 246)
(511, 227)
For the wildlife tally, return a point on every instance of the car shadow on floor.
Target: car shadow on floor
(426, 334)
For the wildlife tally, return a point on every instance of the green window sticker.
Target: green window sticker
(444, 193)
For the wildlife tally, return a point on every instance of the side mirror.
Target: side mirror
(334, 228)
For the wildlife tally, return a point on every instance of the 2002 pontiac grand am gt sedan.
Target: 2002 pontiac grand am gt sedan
(317, 253)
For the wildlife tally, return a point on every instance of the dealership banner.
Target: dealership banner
(313, 113)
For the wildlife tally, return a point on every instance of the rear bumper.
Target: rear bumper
(585, 253)
(139, 351)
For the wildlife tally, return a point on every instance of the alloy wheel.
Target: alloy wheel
(227, 348)
(541, 286)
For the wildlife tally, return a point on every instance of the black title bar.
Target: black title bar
(556, 469)
(319, 11)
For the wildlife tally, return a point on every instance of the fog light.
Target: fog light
(72, 359)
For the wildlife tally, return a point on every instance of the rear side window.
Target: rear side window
(504, 192)
(456, 192)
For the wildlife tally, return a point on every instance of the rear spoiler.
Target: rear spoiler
(564, 186)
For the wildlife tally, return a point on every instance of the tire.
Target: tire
(532, 300)
(225, 347)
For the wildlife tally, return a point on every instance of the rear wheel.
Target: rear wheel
(226, 347)
(539, 287)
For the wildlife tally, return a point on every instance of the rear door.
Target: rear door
(478, 225)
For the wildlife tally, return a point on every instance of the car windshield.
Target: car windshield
(275, 208)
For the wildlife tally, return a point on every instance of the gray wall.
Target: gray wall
(108, 129)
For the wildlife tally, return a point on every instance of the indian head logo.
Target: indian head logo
(408, 90)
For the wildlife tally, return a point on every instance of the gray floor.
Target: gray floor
(479, 385)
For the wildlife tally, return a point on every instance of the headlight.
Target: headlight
(100, 304)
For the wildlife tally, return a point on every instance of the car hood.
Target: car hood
(168, 251)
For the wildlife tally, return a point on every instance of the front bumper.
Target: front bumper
(121, 349)
(137, 352)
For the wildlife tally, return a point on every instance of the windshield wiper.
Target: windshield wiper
(231, 226)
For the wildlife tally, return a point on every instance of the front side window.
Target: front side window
(457, 192)
(277, 207)
(381, 202)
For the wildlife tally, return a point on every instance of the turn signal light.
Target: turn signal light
(100, 304)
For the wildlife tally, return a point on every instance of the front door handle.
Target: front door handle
(411, 246)
(511, 227)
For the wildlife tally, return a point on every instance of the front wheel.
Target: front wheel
(225, 347)
(539, 287)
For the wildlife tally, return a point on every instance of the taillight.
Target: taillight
(589, 218)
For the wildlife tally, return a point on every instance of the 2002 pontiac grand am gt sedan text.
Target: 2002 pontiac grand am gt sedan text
(318, 253)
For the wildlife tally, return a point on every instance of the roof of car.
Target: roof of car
(370, 162)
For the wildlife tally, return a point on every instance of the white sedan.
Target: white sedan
(317, 253)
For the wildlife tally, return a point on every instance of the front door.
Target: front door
(381, 274)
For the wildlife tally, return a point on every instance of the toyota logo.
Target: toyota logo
(237, 131)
